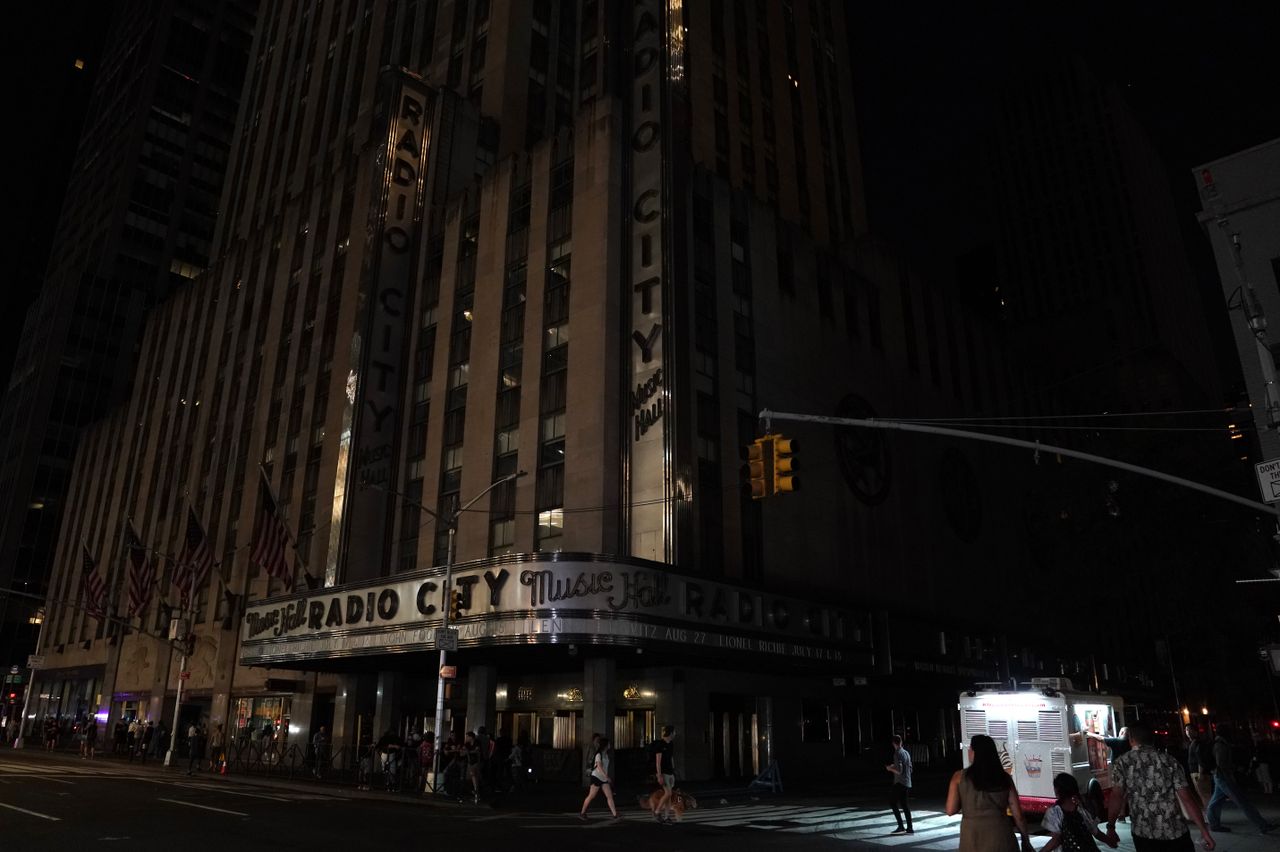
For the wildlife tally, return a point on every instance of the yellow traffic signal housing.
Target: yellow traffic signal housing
(783, 465)
(455, 605)
(760, 467)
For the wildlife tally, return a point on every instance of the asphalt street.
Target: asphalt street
(61, 802)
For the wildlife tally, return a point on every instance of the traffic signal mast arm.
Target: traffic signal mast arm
(768, 416)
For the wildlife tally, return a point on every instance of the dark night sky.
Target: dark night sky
(1196, 78)
(1200, 80)
(48, 97)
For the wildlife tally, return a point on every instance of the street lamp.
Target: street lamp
(450, 523)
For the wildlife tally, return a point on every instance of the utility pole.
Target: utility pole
(450, 523)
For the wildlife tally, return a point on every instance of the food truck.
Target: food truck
(1045, 729)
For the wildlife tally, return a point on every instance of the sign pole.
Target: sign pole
(452, 523)
(444, 656)
(31, 674)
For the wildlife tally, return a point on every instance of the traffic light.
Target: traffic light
(760, 467)
(783, 465)
(455, 605)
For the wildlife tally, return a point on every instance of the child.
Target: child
(1073, 828)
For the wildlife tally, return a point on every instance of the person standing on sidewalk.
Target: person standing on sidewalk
(144, 740)
(1226, 787)
(320, 745)
(901, 789)
(193, 748)
(90, 737)
(216, 744)
(1199, 763)
(1153, 784)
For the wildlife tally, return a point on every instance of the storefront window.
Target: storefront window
(262, 721)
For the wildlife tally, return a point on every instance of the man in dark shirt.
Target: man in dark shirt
(1226, 787)
(1118, 744)
(664, 767)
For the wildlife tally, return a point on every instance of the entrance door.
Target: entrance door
(734, 730)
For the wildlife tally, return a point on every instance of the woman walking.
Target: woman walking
(983, 794)
(600, 781)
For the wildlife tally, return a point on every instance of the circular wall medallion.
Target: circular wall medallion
(863, 453)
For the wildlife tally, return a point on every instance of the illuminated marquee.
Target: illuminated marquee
(588, 600)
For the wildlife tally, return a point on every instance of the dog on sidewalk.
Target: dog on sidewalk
(679, 802)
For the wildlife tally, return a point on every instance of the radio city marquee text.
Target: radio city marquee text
(509, 600)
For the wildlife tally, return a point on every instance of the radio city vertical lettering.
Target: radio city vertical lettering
(650, 474)
(380, 386)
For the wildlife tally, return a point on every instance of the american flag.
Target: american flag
(270, 537)
(142, 574)
(196, 560)
(95, 591)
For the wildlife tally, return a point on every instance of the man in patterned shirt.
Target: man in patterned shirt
(1153, 783)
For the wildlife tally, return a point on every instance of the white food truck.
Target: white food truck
(1042, 731)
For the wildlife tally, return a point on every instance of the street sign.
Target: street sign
(35, 661)
(1269, 480)
(184, 675)
(446, 638)
(448, 672)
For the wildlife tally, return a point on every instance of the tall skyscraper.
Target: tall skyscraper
(137, 222)
(463, 241)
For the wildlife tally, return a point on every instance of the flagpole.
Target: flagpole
(177, 702)
(293, 542)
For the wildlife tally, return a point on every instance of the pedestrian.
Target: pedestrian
(81, 727)
(427, 756)
(473, 763)
(160, 742)
(1069, 822)
(664, 769)
(1152, 786)
(600, 780)
(501, 761)
(365, 765)
(135, 728)
(901, 788)
(484, 745)
(983, 794)
(193, 748)
(320, 745)
(516, 762)
(1200, 763)
(1262, 771)
(591, 754)
(50, 734)
(216, 743)
(389, 747)
(90, 738)
(1225, 786)
(144, 743)
(119, 735)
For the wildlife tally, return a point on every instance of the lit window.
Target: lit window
(550, 525)
(453, 458)
(508, 441)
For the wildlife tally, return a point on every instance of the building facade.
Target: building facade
(1240, 196)
(137, 222)
(463, 242)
